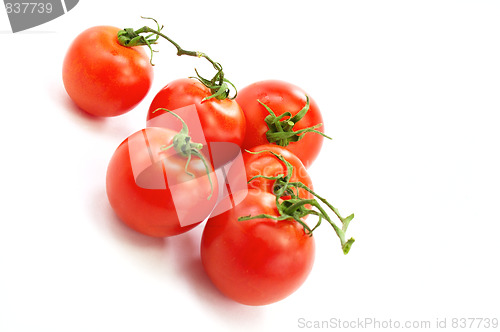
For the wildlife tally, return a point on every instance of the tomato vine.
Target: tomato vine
(218, 85)
(296, 207)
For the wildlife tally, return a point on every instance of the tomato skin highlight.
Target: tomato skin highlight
(281, 97)
(260, 261)
(102, 77)
(222, 120)
(145, 202)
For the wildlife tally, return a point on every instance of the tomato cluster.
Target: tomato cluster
(170, 176)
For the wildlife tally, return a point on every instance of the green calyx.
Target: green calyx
(146, 36)
(281, 127)
(297, 208)
(218, 85)
(183, 145)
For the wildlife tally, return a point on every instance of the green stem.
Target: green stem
(184, 146)
(295, 207)
(218, 85)
(280, 128)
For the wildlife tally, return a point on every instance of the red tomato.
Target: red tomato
(260, 261)
(280, 97)
(268, 165)
(222, 120)
(149, 189)
(103, 77)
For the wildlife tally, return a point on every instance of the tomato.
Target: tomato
(268, 165)
(259, 261)
(281, 97)
(221, 120)
(103, 77)
(150, 190)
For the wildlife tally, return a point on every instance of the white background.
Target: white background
(409, 92)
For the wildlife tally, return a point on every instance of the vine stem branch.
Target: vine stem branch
(218, 85)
